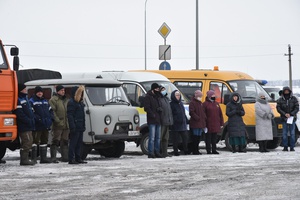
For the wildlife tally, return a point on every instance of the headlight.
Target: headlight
(8, 121)
(107, 119)
(136, 119)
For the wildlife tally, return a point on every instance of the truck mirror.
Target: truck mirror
(226, 98)
(14, 51)
(16, 63)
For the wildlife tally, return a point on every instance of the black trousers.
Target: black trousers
(210, 142)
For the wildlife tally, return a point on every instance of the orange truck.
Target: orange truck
(8, 98)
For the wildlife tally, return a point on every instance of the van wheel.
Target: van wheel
(273, 144)
(85, 150)
(228, 146)
(116, 150)
(144, 143)
(2, 149)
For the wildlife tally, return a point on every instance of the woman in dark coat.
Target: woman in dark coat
(179, 126)
(76, 119)
(236, 126)
(214, 122)
(197, 121)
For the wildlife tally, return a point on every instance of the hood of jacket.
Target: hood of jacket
(173, 97)
(287, 88)
(77, 93)
(235, 94)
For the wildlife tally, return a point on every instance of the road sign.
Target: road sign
(165, 66)
(164, 52)
(164, 30)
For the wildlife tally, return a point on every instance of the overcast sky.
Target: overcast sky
(94, 35)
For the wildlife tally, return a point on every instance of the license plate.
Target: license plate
(279, 126)
(133, 133)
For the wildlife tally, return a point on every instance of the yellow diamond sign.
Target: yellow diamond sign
(164, 30)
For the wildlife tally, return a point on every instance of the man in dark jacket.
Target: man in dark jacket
(166, 121)
(43, 120)
(25, 123)
(76, 119)
(153, 109)
(288, 107)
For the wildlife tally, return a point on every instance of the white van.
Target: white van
(136, 85)
(110, 120)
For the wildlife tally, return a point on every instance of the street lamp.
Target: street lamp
(145, 36)
(197, 37)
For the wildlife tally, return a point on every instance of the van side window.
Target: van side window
(220, 90)
(188, 88)
(133, 93)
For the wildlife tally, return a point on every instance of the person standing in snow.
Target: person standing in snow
(179, 127)
(288, 107)
(236, 126)
(43, 120)
(166, 121)
(263, 119)
(76, 119)
(214, 122)
(197, 121)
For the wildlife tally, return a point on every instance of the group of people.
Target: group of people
(63, 116)
(165, 113)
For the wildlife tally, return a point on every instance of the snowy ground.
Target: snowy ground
(251, 175)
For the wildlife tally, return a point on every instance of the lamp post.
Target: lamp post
(145, 35)
(197, 37)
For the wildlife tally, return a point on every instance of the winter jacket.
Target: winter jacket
(288, 105)
(166, 115)
(235, 111)
(59, 106)
(43, 113)
(153, 108)
(197, 113)
(214, 117)
(178, 111)
(263, 118)
(24, 113)
(75, 111)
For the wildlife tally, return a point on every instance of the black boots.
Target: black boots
(233, 148)
(24, 158)
(242, 149)
(43, 154)
(53, 152)
(34, 154)
(262, 146)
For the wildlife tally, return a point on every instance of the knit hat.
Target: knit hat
(261, 94)
(198, 93)
(154, 86)
(38, 89)
(59, 87)
(21, 86)
(210, 93)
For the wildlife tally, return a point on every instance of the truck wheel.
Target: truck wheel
(144, 143)
(2, 149)
(85, 150)
(115, 151)
(273, 144)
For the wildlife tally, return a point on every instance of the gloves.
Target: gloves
(270, 116)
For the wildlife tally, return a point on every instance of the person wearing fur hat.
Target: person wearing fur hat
(214, 122)
(153, 108)
(236, 126)
(25, 124)
(263, 119)
(60, 126)
(43, 121)
(288, 107)
(197, 120)
(76, 119)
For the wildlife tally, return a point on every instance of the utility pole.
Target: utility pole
(290, 65)
(197, 37)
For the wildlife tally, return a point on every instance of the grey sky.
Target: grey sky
(75, 35)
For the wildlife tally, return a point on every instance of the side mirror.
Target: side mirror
(141, 100)
(14, 51)
(226, 98)
(16, 63)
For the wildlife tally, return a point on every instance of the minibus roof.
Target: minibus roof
(82, 81)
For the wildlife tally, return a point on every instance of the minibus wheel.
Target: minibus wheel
(144, 143)
(273, 144)
(85, 150)
(116, 150)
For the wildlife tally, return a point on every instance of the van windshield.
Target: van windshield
(3, 64)
(106, 95)
(248, 89)
(170, 87)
